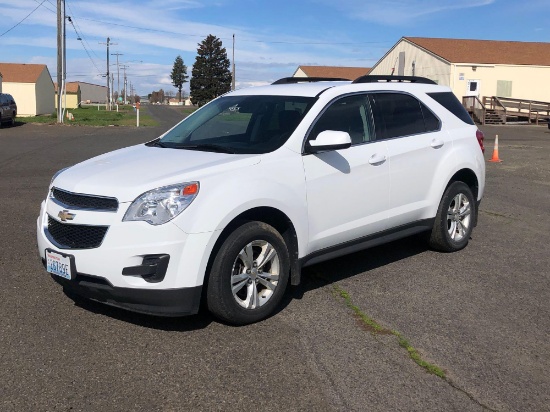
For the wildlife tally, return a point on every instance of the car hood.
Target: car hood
(127, 173)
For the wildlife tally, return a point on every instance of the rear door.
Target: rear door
(416, 146)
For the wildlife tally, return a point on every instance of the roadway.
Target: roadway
(482, 315)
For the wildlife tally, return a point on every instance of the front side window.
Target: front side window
(349, 114)
(240, 124)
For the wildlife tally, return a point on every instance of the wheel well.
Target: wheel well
(272, 217)
(469, 177)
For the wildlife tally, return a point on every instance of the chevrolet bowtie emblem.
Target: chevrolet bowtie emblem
(65, 215)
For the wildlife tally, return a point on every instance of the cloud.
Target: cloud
(398, 12)
(150, 34)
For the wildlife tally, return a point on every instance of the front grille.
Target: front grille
(85, 201)
(76, 236)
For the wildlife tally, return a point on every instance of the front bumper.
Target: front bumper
(117, 271)
(163, 302)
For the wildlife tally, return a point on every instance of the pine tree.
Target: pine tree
(210, 76)
(179, 74)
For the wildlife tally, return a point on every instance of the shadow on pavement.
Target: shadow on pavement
(9, 126)
(179, 324)
(345, 267)
(313, 277)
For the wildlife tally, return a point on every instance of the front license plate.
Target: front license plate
(59, 264)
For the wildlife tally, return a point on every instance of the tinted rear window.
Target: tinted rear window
(430, 120)
(449, 101)
(400, 113)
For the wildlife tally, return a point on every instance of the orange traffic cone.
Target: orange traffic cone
(495, 157)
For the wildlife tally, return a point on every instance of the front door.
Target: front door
(347, 190)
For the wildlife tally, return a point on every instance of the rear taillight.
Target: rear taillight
(480, 137)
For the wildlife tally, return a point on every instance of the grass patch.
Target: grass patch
(372, 325)
(91, 116)
(375, 328)
(415, 356)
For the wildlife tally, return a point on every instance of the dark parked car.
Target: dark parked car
(8, 109)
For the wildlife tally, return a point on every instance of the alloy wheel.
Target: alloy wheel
(459, 217)
(255, 274)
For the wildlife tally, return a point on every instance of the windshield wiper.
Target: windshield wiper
(156, 143)
(206, 147)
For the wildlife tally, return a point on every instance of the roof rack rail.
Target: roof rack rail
(375, 79)
(294, 80)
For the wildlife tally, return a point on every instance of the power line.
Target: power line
(227, 38)
(80, 30)
(46, 7)
(85, 49)
(73, 22)
(78, 35)
(311, 43)
(24, 18)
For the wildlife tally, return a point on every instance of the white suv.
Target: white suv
(231, 203)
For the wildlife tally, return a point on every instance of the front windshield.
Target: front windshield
(240, 124)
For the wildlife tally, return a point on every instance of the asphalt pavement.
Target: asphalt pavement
(482, 315)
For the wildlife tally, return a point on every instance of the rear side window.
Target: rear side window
(401, 114)
(431, 121)
(449, 101)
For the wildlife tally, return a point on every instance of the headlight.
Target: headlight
(161, 205)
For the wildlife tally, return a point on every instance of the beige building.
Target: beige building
(350, 73)
(518, 70)
(31, 86)
(1, 82)
(186, 101)
(175, 102)
(73, 96)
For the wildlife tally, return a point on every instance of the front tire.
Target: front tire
(455, 218)
(249, 274)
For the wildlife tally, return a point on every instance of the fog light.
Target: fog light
(152, 269)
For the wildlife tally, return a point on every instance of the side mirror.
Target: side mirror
(329, 140)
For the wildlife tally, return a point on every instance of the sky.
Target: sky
(272, 38)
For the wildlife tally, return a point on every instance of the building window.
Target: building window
(504, 88)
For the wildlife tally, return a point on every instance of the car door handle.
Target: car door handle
(377, 159)
(437, 143)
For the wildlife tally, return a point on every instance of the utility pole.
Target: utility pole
(117, 70)
(107, 75)
(60, 58)
(233, 80)
(125, 83)
(112, 86)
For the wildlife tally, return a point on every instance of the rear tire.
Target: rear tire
(249, 274)
(455, 219)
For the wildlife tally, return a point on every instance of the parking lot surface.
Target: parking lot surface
(481, 315)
